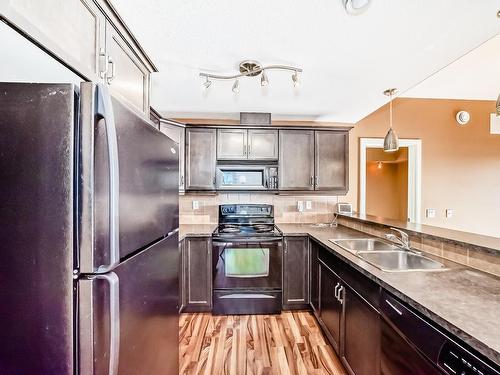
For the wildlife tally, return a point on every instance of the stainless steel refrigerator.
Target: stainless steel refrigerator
(88, 235)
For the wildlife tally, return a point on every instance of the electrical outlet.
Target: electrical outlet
(300, 206)
(308, 205)
(430, 213)
(196, 205)
(449, 212)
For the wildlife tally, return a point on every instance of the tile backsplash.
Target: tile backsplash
(285, 207)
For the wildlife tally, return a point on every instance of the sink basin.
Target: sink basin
(356, 245)
(399, 261)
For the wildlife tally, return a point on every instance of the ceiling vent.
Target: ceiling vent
(255, 118)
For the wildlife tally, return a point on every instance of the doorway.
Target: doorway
(390, 183)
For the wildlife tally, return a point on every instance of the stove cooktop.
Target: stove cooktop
(247, 230)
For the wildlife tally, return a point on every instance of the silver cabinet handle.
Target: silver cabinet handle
(341, 300)
(316, 180)
(182, 181)
(311, 181)
(249, 150)
(394, 307)
(335, 293)
(113, 71)
(244, 150)
(105, 111)
(214, 180)
(114, 317)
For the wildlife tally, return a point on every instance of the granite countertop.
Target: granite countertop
(195, 230)
(488, 243)
(460, 299)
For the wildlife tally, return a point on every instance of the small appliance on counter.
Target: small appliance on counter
(247, 260)
(344, 208)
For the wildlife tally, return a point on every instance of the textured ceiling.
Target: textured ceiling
(347, 60)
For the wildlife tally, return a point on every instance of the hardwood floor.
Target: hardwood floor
(290, 343)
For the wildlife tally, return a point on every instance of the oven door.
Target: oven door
(237, 177)
(247, 264)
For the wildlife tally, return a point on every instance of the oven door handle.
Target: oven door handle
(246, 240)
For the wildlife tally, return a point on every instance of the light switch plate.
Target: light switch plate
(308, 205)
(300, 206)
(196, 205)
(430, 213)
(449, 212)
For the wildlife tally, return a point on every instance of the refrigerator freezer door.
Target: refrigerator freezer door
(148, 314)
(36, 228)
(146, 163)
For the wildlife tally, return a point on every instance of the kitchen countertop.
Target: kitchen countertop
(195, 230)
(460, 299)
(485, 243)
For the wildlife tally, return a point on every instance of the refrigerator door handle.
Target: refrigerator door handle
(105, 111)
(114, 315)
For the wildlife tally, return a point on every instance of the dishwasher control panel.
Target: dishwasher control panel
(455, 360)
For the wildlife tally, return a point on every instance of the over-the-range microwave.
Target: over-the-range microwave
(242, 177)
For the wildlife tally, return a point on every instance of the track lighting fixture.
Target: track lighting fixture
(250, 68)
(263, 79)
(391, 141)
(236, 86)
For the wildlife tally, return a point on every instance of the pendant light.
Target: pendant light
(236, 86)
(391, 142)
(263, 79)
(498, 106)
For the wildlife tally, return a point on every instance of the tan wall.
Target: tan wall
(285, 207)
(460, 165)
(385, 190)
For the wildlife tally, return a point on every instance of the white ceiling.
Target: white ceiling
(475, 76)
(347, 60)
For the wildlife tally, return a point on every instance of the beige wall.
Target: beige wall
(285, 207)
(460, 165)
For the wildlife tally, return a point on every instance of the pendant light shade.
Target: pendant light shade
(498, 106)
(391, 141)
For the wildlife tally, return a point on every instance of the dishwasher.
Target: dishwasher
(412, 346)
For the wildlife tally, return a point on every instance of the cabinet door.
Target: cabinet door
(361, 349)
(314, 248)
(231, 144)
(200, 159)
(262, 144)
(197, 274)
(331, 161)
(330, 307)
(296, 272)
(73, 30)
(296, 161)
(177, 134)
(127, 76)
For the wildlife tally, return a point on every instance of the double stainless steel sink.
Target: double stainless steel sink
(387, 256)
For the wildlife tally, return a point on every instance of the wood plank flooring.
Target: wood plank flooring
(289, 343)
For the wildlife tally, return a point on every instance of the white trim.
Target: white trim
(414, 174)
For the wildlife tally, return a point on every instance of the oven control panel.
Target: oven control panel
(246, 210)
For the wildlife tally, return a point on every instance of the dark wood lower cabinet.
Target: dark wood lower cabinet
(314, 276)
(296, 273)
(330, 307)
(361, 344)
(197, 274)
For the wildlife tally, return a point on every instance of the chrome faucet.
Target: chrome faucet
(403, 241)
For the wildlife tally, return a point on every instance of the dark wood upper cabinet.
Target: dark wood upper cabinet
(200, 159)
(247, 144)
(296, 272)
(331, 161)
(296, 160)
(197, 274)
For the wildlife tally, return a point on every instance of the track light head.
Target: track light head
(207, 83)
(296, 79)
(263, 79)
(236, 86)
